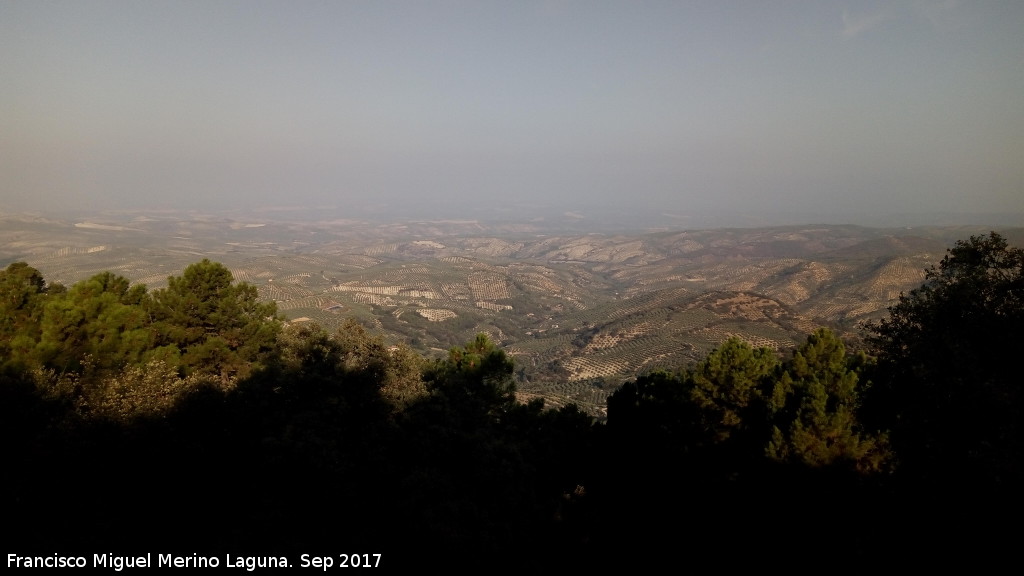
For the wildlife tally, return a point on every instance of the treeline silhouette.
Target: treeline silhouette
(195, 419)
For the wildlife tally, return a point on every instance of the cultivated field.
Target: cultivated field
(580, 314)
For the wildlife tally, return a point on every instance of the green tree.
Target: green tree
(211, 325)
(655, 404)
(815, 403)
(728, 388)
(353, 359)
(478, 374)
(947, 383)
(135, 393)
(22, 297)
(395, 371)
(103, 317)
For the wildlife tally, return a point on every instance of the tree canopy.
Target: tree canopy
(300, 424)
(947, 384)
(102, 320)
(211, 324)
(815, 405)
(22, 295)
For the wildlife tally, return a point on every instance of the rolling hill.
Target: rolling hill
(580, 312)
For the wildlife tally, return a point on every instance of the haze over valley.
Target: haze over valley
(692, 115)
(535, 286)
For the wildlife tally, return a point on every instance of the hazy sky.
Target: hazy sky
(687, 106)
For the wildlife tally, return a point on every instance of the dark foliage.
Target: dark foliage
(211, 428)
(948, 384)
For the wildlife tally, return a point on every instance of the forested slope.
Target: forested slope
(193, 418)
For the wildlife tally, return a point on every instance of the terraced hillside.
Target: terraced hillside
(580, 313)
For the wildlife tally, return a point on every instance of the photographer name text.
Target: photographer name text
(250, 563)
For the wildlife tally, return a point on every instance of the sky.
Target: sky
(846, 109)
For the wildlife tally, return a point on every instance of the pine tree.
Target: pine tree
(23, 294)
(728, 387)
(815, 403)
(211, 325)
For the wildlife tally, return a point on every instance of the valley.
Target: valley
(579, 311)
